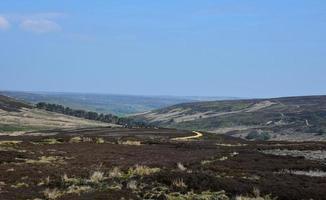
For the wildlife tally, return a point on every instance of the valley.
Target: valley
(52, 156)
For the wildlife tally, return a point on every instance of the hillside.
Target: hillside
(106, 103)
(290, 118)
(18, 118)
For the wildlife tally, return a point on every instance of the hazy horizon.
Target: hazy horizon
(153, 95)
(247, 49)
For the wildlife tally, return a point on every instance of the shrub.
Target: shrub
(100, 141)
(97, 177)
(132, 185)
(75, 140)
(73, 189)
(141, 170)
(115, 173)
(70, 181)
(179, 183)
(20, 185)
(256, 196)
(52, 193)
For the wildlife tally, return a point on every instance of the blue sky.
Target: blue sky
(248, 48)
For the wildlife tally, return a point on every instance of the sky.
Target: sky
(247, 48)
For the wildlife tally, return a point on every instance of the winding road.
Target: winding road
(198, 135)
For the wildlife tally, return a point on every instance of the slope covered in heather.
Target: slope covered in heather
(289, 118)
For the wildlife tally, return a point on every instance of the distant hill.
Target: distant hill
(10, 104)
(18, 117)
(290, 118)
(106, 103)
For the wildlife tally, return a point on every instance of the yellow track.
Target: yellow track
(198, 135)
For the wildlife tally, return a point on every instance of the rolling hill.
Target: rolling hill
(120, 105)
(289, 118)
(17, 118)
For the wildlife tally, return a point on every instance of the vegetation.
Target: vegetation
(295, 118)
(12, 128)
(255, 135)
(107, 118)
(120, 105)
(92, 164)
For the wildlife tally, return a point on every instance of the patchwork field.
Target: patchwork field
(120, 163)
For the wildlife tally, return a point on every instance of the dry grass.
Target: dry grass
(46, 160)
(132, 185)
(9, 143)
(48, 141)
(97, 177)
(52, 194)
(223, 158)
(115, 186)
(179, 183)
(20, 185)
(233, 154)
(2, 184)
(130, 142)
(71, 181)
(79, 139)
(45, 181)
(256, 196)
(100, 141)
(115, 173)
(206, 162)
(74, 189)
(41, 120)
(181, 167)
(141, 170)
(75, 139)
(230, 145)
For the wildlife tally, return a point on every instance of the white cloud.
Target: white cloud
(40, 26)
(4, 24)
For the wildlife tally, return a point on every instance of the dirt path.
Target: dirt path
(198, 135)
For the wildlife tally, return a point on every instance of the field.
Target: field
(120, 163)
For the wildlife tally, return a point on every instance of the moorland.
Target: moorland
(95, 160)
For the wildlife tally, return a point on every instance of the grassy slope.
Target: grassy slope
(18, 116)
(282, 118)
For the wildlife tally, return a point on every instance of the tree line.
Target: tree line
(108, 118)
